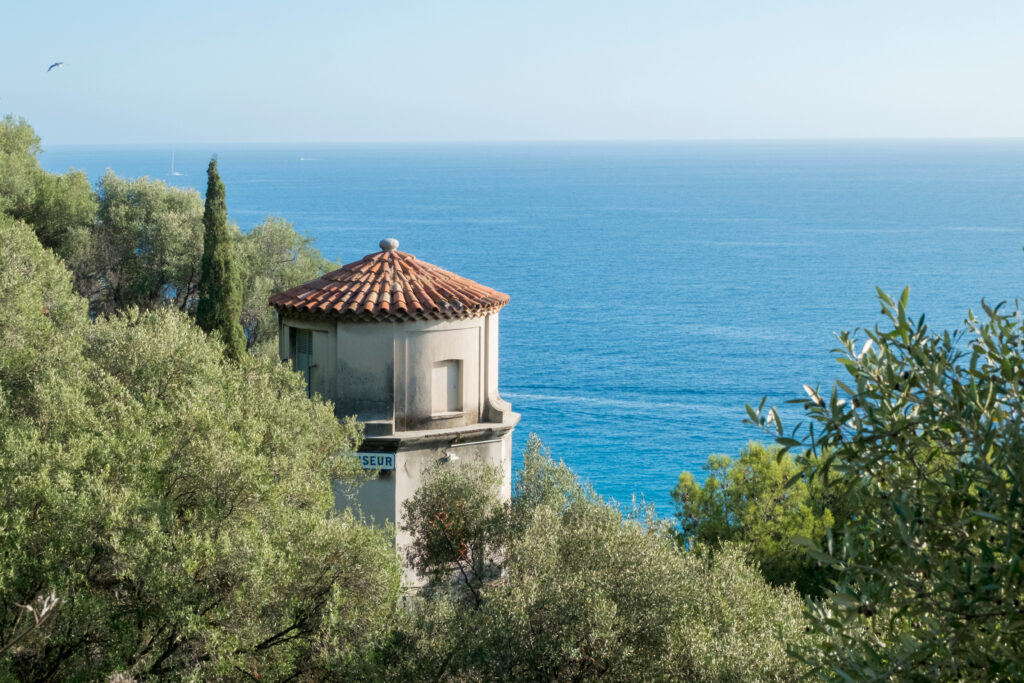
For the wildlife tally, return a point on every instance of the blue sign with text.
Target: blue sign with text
(377, 461)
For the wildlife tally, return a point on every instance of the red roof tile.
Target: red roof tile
(390, 285)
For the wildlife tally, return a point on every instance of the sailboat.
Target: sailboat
(173, 172)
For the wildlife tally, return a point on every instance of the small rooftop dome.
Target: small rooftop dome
(390, 285)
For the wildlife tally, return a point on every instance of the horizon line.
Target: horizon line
(544, 141)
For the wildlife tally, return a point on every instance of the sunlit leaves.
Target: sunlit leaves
(60, 208)
(145, 249)
(762, 501)
(179, 505)
(586, 593)
(924, 444)
(272, 258)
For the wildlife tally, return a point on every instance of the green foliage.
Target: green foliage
(924, 442)
(142, 243)
(219, 310)
(19, 146)
(457, 522)
(758, 500)
(272, 257)
(41, 323)
(178, 504)
(586, 593)
(146, 251)
(60, 208)
(63, 211)
(146, 247)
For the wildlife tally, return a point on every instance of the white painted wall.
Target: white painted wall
(384, 372)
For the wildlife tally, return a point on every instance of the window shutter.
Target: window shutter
(304, 356)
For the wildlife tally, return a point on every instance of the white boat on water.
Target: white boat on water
(173, 172)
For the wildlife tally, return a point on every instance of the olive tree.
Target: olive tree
(60, 208)
(19, 147)
(146, 247)
(924, 442)
(458, 528)
(146, 250)
(273, 257)
(177, 505)
(139, 242)
(582, 592)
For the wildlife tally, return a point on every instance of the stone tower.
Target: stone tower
(412, 351)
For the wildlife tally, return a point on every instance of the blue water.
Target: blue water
(656, 288)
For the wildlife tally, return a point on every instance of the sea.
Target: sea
(656, 288)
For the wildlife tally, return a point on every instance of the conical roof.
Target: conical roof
(393, 286)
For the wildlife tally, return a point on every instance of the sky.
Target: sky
(185, 72)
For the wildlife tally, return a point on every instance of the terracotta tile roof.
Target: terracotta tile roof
(391, 285)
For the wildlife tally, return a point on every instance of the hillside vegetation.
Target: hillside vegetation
(166, 510)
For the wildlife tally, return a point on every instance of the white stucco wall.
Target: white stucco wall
(365, 383)
(383, 372)
(418, 348)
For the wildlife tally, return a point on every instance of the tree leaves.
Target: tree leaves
(762, 500)
(923, 450)
(586, 593)
(179, 505)
(219, 310)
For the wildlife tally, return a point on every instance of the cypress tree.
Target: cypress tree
(220, 295)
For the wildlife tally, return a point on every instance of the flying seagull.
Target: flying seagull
(54, 66)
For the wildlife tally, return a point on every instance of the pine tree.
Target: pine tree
(220, 295)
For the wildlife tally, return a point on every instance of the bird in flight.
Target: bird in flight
(54, 66)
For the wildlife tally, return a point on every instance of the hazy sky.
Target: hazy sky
(383, 70)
